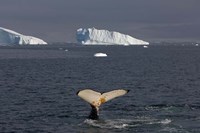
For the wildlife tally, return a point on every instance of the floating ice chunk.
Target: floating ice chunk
(100, 55)
(92, 36)
(145, 46)
(197, 44)
(11, 37)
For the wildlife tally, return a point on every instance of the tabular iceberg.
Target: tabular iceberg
(11, 37)
(92, 36)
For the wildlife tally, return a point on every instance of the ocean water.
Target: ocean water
(38, 86)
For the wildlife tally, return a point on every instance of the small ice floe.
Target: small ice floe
(166, 121)
(63, 49)
(197, 44)
(100, 55)
(145, 46)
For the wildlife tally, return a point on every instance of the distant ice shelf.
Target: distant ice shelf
(9, 37)
(92, 36)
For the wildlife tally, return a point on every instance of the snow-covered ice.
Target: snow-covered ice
(145, 46)
(92, 36)
(11, 37)
(100, 55)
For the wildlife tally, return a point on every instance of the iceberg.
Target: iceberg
(92, 36)
(11, 37)
(100, 55)
(145, 46)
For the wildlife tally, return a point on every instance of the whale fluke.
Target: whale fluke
(96, 99)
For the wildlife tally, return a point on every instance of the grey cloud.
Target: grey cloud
(57, 20)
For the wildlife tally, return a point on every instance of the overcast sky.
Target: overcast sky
(149, 20)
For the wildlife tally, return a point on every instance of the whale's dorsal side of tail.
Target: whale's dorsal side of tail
(96, 99)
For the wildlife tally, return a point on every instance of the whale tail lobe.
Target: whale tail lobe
(96, 99)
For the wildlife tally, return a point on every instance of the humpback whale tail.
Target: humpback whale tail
(96, 99)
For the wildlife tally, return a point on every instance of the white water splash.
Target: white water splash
(109, 124)
(126, 123)
(166, 121)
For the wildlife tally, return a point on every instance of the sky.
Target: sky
(58, 20)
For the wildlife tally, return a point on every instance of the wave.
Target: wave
(171, 107)
(126, 123)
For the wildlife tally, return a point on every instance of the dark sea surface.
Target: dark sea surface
(38, 86)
